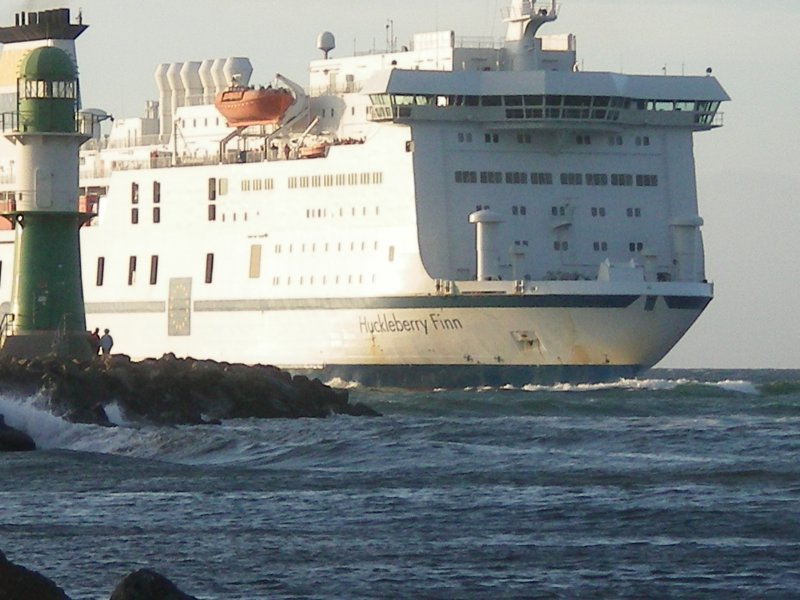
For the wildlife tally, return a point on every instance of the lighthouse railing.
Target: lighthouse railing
(6, 327)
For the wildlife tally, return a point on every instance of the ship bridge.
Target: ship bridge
(546, 99)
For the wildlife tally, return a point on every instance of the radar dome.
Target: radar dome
(326, 42)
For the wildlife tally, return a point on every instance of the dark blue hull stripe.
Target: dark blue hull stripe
(444, 302)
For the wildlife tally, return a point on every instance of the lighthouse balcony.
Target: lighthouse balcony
(14, 123)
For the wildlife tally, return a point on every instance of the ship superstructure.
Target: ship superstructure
(450, 212)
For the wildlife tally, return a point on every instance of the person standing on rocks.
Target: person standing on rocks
(106, 343)
(94, 341)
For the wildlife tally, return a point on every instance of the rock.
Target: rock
(19, 583)
(174, 391)
(145, 584)
(14, 440)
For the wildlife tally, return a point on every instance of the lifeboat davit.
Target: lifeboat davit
(242, 106)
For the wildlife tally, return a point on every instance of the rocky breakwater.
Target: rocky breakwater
(173, 391)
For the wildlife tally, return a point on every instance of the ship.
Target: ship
(446, 213)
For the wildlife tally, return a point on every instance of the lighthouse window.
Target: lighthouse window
(156, 192)
(212, 189)
(134, 193)
(134, 215)
(212, 212)
(153, 269)
(209, 268)
(101, 267)
(131, 270)
(156, 214)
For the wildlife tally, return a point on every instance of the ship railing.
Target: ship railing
(9, 122)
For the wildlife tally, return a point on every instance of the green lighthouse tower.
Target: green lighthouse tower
(47, 297)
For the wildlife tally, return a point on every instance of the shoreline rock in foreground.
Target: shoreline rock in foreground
(19, 583)
(14, 440)
(145, 584)
(174, 391)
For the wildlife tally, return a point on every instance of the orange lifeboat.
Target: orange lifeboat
(242, 106)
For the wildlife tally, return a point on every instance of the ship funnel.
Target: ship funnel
(237, 68)
(487, 225)
(192, 85)
(164, 102)
(218, 76)
(177, 93)
(207, 80)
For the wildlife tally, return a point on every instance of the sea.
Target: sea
(677, 484)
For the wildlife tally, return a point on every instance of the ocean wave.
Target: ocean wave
(344, 384)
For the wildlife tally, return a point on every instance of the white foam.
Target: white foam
(338, 382)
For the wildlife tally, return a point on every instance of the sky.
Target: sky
(748, 172)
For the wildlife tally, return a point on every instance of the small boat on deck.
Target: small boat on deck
(242, 106)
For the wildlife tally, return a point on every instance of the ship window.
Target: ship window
(636, 246)
(559, 245)
(153, 269)
(571, 179)
(596, 179)
(209, 268)
(542, 178)
(101, 267)
(156, 192)
(212, 212)
(600, 246)
(156, 214)
(134, 215)
(621, 179)
(134, 193)
(212, 189)
(131, 270)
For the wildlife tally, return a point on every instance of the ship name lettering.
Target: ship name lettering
(442, 324)
(389, 323)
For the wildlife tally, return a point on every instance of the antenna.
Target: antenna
(389, 35)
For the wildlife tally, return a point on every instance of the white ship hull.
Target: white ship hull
(443, 215)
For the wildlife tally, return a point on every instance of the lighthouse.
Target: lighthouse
(47, 309)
